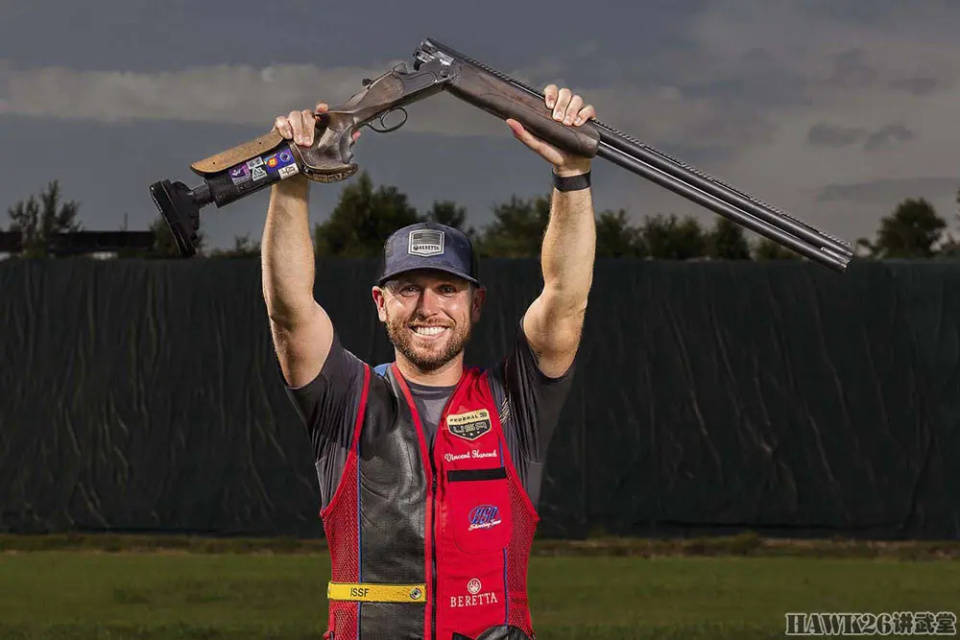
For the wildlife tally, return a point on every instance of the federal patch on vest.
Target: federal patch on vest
(469, 426)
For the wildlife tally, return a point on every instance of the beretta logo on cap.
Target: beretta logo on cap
(425, 242)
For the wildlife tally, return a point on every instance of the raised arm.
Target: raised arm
(553, 322)
(301, 329)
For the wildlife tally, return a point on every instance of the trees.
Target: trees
(447, 212)
(950, 247)
(517, 229)
(667, 237)
(39, 216)
(727, 242)
(242, 248)
(766, 249)
(616, 238)
(164, 245)
(363, 219)
(909, 232)
(366, 215)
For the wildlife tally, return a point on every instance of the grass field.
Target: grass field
(159, 594)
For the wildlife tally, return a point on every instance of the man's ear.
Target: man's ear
(476, 305)
(379, 299)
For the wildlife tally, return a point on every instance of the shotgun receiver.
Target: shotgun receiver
(254, 165)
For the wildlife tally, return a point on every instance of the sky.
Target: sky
(833, 110)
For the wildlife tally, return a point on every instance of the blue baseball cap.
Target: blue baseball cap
(429, 245)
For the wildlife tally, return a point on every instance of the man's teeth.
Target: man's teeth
(429, 331)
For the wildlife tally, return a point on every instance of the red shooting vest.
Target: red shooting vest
(455, 521)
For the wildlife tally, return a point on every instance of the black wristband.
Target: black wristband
(572, 183)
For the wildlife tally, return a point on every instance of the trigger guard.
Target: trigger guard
(346, 152)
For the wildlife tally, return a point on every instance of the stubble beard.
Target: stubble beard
(400, 335)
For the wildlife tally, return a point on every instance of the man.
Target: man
(429, 472)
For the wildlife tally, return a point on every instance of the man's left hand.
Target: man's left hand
(568, 109)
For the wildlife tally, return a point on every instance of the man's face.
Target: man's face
(429, 315)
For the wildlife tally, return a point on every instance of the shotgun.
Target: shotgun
(249, 167)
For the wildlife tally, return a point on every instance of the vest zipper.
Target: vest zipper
(433, 489)
(433, 538)
(433, 548)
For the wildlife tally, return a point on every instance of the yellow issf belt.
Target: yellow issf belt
(368, 592)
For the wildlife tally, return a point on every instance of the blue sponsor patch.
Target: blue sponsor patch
(277, 161)
(484, 516)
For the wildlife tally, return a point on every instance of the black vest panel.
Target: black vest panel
(393, 489)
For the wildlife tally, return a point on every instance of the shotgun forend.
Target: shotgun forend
(436, 67)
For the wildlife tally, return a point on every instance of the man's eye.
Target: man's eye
(448, 289)
(409, 289)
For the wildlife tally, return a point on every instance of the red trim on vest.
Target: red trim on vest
(482, 530)
(344, 616)
(479, 522)
(430, 468)
(352, 455)
(517, 554)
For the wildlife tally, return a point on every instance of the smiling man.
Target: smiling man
(430, 472)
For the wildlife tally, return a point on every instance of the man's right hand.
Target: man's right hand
(301, 329)
(300, 125)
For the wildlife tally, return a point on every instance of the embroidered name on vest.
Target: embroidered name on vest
(469, 426)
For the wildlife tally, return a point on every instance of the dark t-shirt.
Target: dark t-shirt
(430, 403)
(529, 406)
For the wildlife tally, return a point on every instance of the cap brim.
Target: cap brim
(450, 270)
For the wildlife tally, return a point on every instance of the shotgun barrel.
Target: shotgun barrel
(666, 171)
(254, 165)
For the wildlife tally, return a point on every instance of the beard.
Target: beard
(433, 356)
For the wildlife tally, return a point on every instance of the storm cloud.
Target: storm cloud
(830, 109)
(888, 137)
(890, 191)
(829, 135)
(918, 86)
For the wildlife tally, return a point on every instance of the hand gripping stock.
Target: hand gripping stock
(326, 160)
(329, 158)
(495, 95)
(253, 165)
